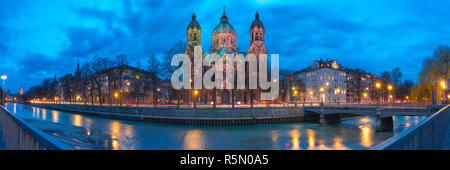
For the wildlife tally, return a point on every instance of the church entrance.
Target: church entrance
(225, 97)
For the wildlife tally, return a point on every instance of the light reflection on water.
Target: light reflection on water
(104, 133)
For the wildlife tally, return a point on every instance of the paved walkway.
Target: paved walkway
(2, 144)
(447, 140)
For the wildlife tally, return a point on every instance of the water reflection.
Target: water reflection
(114, 127)
(194, 140)
(44, 114)
(14, 108)
(366, 135)
(338, 143)
(77, 120)
(295, 135)
(55, 116)
(311, 141)
(104, 133)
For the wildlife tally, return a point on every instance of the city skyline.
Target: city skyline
(37, 44)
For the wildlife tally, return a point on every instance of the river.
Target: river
(90, 132)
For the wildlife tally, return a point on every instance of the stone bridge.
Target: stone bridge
(332, 114)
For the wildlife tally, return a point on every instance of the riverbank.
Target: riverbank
(190, 116)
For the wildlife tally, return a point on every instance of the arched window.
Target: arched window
(195, 37)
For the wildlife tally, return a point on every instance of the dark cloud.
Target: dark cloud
(357, 35)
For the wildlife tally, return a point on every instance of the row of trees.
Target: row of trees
(400, 89)
(433, 77)
(86, 81)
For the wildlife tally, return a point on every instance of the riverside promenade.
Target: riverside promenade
(191, 116)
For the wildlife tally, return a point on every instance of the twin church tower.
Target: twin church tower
(224, 37)
(224, 40)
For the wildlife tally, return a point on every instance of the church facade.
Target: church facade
(224, 41)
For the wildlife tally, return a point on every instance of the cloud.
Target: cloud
(41, 38)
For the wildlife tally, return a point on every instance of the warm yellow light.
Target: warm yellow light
(116, 95)
(56, 98)
(338, 90)
(443, 84)
(378, 85)
(128, 83)
(390, 87)
(327, 84)
(44, 98)
(275, 80)
(295, 92)
(293, 88)
(448, 96)
(190, 80)
(407, 97)
(158, 89)
(321, 89)
(390, 96)
(195, 92)
(365, 95)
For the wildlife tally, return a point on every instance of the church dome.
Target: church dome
(257, 22)
(224, 25)
(194, 23)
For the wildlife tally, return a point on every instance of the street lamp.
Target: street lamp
(378, 85)
(296, 98)
(443, 84)
(390, 89)
(195, 98)
(4, 77)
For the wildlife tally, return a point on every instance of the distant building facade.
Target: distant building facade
(326, 81)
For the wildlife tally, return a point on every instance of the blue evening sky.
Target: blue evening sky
(40, 38)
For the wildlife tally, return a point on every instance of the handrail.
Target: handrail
(19, 135)
(428, 134)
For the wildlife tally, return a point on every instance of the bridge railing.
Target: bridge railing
(19, 135)
(427, 135)
(371, 104)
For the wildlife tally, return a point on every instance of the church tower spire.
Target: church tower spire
(194, 32)
(257, 45)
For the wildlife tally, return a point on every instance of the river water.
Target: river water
(90, 132)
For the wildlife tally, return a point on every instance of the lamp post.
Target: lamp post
(378, 85)
(293, 89)
(4, 77)
(156, 97)
(195, 98)
(296, 97)
(390, 94)
(444, 88)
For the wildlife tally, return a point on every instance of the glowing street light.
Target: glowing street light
(195, 92)
(321, 89)
(116, 95)
(443, 84)
(390, 87)
(158, 89)
(195, 98)
(365, 95)
(378, 85)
